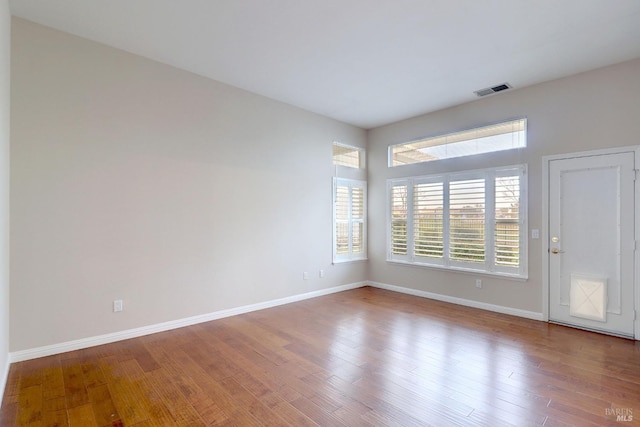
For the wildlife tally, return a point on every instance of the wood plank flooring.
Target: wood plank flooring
(366, 357)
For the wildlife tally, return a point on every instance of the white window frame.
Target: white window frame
(350, 255)
(489, 266)
(471, 142)
(359, 150)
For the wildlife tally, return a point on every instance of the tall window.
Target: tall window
(486, 139)
(349, 220)
(467, 221)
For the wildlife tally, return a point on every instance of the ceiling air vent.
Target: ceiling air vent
(494, 89)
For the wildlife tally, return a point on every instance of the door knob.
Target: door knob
(556, 251)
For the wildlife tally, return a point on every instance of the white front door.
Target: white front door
(592, 242)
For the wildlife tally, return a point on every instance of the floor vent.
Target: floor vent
(492, 90)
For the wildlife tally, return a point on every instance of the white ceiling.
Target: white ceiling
(365, 62)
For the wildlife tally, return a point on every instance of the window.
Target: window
(487, 139)
(345, 155)
(472, 221)
(349, 220)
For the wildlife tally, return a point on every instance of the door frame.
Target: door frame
(546, 160)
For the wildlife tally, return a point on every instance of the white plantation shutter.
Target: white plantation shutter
(467, 220)
(342, 219)
(509, 218)
(428, 220)
(472, 221)
(399, 220)
(357, 220)
(349, 220)
(507, 229)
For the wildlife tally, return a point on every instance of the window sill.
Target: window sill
(470, 271)
(346, 261)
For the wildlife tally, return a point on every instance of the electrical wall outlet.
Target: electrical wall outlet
(305, 275)
(479, 283)
(321, 274)
(117, 305)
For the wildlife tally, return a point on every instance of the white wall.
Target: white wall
(593, 110)
(5, 33)
(182, 196)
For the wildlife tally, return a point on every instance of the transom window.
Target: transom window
(487, 139)
(346, 155)
(466, 221)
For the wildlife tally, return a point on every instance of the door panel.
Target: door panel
(592, 243)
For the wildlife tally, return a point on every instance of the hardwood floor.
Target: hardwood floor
(366, 357)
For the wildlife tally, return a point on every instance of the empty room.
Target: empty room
(319, 213)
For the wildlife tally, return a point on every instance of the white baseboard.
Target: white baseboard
(460, 301)
(34, 353)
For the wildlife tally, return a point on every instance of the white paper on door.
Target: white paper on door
(588, 297)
